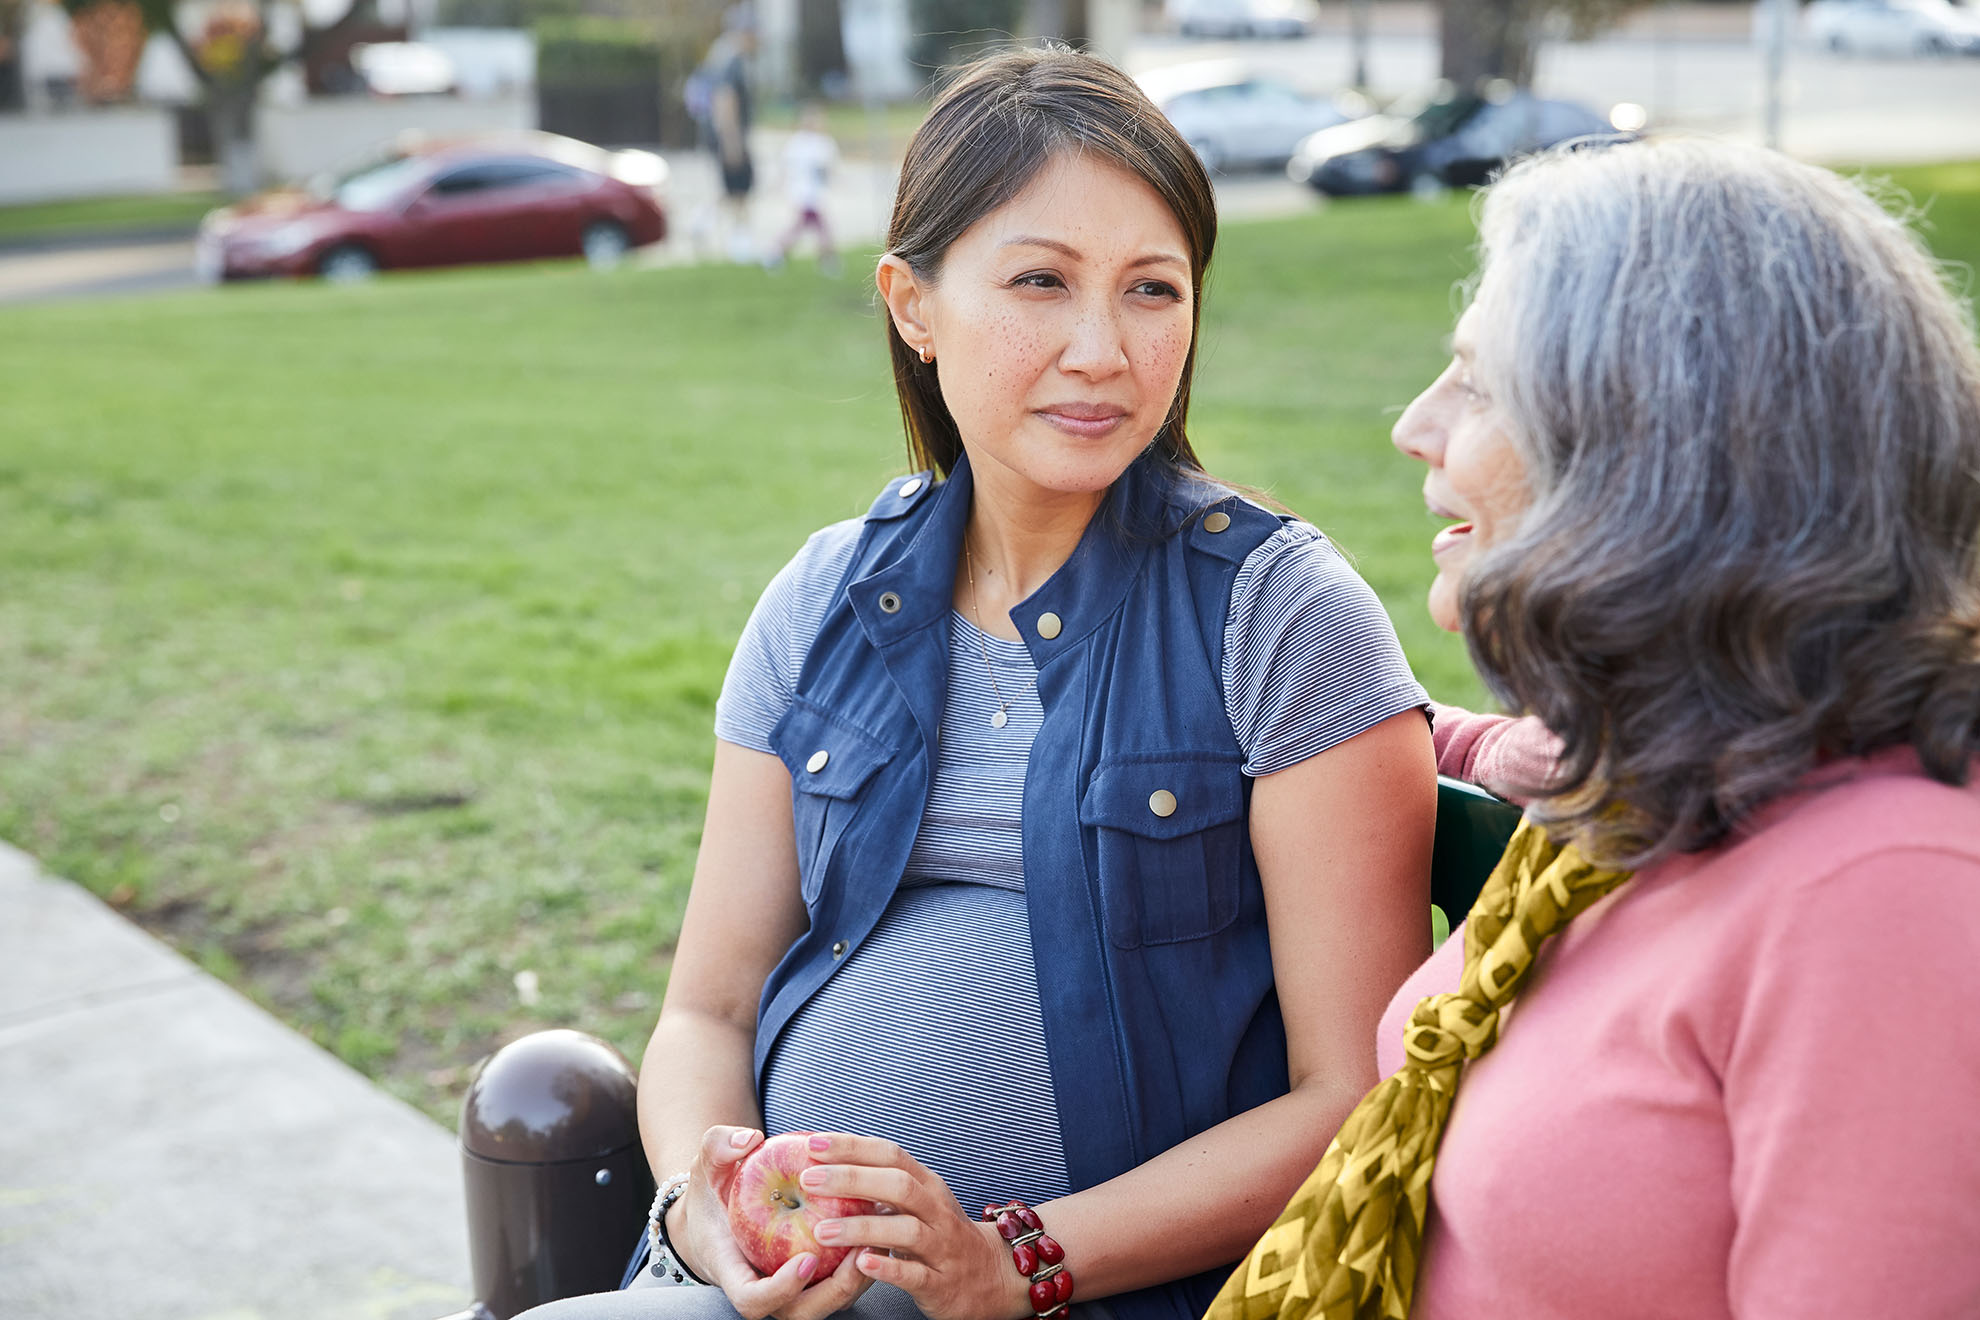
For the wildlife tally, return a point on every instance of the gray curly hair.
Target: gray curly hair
(1749, 407)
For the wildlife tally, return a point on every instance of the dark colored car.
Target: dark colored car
(446, 203)
(1447, 139)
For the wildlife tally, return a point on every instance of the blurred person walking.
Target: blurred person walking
(809, 156)
(718, 99)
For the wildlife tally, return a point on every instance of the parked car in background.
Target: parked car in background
(1444, 139)
(508, 198)
(1234, 118)
(1243, 18)
(1892, 27)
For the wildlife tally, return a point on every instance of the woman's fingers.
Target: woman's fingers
(758, 1296)
(910, 1276)
(834, 1293)
(727, 1145)
(874, 1169)
(722, 1149)
(850, 1148)
(889, 1232)
(897, 1187)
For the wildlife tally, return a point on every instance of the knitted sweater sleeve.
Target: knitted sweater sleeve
(1503, 754)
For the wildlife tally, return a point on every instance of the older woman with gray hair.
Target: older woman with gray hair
(1710, 445)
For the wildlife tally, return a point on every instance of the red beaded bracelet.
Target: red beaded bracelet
(1036, 1256)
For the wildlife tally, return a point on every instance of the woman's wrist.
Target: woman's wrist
(1010, 1292)
(1036, 1258)
(678, 1237)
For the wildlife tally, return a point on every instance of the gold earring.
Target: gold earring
(927, 354)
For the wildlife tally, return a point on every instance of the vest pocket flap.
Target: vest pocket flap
(1164, 797)
(826, 755)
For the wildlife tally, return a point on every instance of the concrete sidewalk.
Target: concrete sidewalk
(169, 1151)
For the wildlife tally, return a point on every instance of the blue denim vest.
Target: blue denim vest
(1147, 918)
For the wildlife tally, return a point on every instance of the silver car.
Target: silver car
(1243, 18)
(1892, 27)
(1234, 119)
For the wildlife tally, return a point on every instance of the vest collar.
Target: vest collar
(915, 588)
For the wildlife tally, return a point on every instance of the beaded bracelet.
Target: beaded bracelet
(665, 1261)
(1036, 1256)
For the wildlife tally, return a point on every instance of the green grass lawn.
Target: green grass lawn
(365, 642)
(103, 216)
(878, 132)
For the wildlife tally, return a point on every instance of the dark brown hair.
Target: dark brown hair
(991, 131)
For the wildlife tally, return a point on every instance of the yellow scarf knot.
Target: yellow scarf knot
(1346, 1247)
(1445, 1030)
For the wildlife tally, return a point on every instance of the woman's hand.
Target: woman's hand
(954, 1268)
(698, 1227)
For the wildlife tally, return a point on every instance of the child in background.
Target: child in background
(808, 159)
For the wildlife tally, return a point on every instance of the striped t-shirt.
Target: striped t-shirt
(930, 1033)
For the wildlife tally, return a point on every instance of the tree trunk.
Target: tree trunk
(821, 47)
(1358, 43)
(13, 23)
(13, 91)
(1487, 39)
(230, 116)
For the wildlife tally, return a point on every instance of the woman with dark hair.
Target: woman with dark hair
(1710, 441)
(1071, 814)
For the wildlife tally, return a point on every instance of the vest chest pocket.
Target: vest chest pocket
(1171, 839)
(830, 760)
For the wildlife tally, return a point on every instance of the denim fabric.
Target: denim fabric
(1147, 917)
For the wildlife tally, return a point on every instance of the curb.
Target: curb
(72, 239)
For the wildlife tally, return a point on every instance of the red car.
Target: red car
(442, 204)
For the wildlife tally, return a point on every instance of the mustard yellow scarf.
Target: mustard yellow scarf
(1346, 1247)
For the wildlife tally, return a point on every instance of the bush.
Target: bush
(502, 13)
(593, 52)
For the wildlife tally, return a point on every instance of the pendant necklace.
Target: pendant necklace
(1002, 716)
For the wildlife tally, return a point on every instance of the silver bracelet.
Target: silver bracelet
(664, 1261)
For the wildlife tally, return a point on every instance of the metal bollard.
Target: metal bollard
(557, 1185)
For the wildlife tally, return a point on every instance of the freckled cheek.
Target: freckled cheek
(1005, 344)
(1163, 355)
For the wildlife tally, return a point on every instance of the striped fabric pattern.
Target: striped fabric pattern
(969, 832)
(931, 1035)
(905, 1040)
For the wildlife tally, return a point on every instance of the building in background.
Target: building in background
(878, 38)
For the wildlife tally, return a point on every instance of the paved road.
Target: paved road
(1835, 108)
(1691, 69)
(142, 266)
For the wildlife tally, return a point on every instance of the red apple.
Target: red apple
(772, 1217)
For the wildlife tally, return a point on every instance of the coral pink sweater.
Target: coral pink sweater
(1745, 1084)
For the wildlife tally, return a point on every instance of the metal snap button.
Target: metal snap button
(1049, 625)
(838, 948)
(1162, 802)
(909, 487)
(1216, 522)
(818, 760)
(889, 603)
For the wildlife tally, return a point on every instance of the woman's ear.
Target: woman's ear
(906, 296)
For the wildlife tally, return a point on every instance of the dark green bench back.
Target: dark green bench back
(1472, 829)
